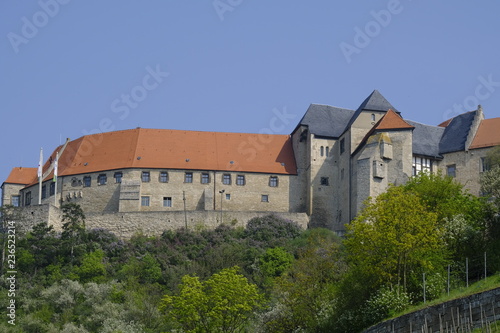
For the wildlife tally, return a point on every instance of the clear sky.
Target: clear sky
(71, 67)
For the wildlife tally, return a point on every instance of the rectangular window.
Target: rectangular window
(451, 170)
(324, 181)
(145, 201)
(327, 151)
(118, 177)
(102, 179)
(205, 178)
(484, 165)
(44, 192)
(14, 200)
(240, 180)
(265, 198)
(146, 177)
(163, 177)
(342, 146)
(52, 189)
(87, 181)
(167, 201)
(421, 164)
(188, 177)
(228, 196)
(27, 199)
(273, 181)
(226, 179)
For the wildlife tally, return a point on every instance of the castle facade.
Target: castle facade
(320, 174)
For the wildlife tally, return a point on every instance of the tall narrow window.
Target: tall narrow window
(327, 151)
(102, 179)
(342, 146)
(163, 177)
(205, 178)
(167, 201)
(484, 164)
(451, 170)
(118, 177)
(146, 176)
(188, 177)
(145, 201)
(14, 200)
(273, 181)
(44, 192)
(87, 181)
(322, 150)
(240, 180)
(373, 116)
(52, 188)
(27, 198)
(226, 179)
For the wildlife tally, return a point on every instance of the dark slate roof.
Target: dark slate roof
(325, 120)
(426, 139)
(374, 102)
(455, 133)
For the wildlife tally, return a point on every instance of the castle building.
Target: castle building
(319, 175)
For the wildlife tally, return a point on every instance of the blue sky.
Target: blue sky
(69, 67)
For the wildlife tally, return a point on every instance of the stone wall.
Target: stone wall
(460, 315)
(126, 224)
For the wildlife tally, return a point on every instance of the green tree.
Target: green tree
(73, 226)
(223, 303)
(92, 267)
(393, 235)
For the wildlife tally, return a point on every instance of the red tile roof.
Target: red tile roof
(175, 149)
(488, 134)
(391, 120)
(20, 175)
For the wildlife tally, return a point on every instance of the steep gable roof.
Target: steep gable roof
(488, 134)
(376, 102)
(392, 121)
(456, 132)
(325, 120)
(175, 149)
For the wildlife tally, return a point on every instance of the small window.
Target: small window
(188, 177)
(118, 177)
(102, 179)
(273, 181)
(146, 177)
(327, 151)
(44, 192)
(484, 164)
(52, 189)
(27, 198)
(265, 198)
(322, 151)
(240, 180)
(167, 201)
(145, 201)
(87, 181)
(373, 116)
(226, 179)
(164, 177)
(451, 170)
(205, 178)
(325, 181)
(342, 146)
(14, 200)
(228, 196)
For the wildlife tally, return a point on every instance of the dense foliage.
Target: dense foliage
(271, 276)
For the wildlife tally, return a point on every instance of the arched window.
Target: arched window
(373, 116)
(322, 151)
(327, 150)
